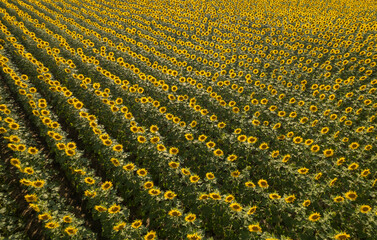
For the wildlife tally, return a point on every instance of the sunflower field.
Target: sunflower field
(188, 119)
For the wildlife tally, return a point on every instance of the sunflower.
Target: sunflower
(148, 185)
(193, 124)
(136, 224)
(203, 196)
(340, 161)
(90, 194)
(297, 140)
(21, 147)
(281, 113)
(142, 172)
(58, 137)
(150, 235)
(189, 137)
(194, 178)
(44, 216)
(218, 152)
(3, 107)
(313, 108)
(303, 120)
(173, 150)
(14, 126)
(215, 196)
(314, 217)
(83, 114)
(275, 154)
(293, 115)
(67, 219)
(338, 199)
(255, 228)
(161, 148)
(202, 138)
(78, 105)
(342, 236)
(306, 203)
(2, 130)
(154, 192)
(114, 209)
(365, 208)
(29, 170)
(274, 196)
(368, 147)
(15, 162)
(106, 185)
(114, 109)
(175, 213)
(229, 198)
(237, 131)
(52, 225)
(242, 138)
(333, 116)
(38, 183)
(128, 115)
(290, 134)
(354, 145)
(252, 139)
(315, 148)
(115, 162)
(70, 152)
(13, 138)
(303, 171)
(365, 172)
(353, 166)
(328, 152)
(119, 226)
(263, 146)
(34, 207)
(89, 180)
(332, 182)
(286, 158)
(185, 171)
(308, 142)
(263, 183)
(194, 236)
(252, 210)
(129, 167)
(107, 142)
(210, 176)
(370, 129)
(190, 217)
(100, 208)
(153, 140)
(235, 207)
(170, 195)
(117, 148)
(141, 139)
(71, 145)
(249, 184)
(290, 199)
(174, 165)
(235, 174)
